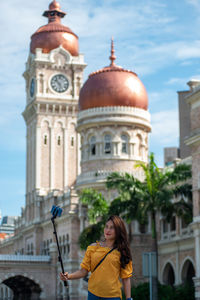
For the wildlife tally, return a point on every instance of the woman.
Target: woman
(104, 280)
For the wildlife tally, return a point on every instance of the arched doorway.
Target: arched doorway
(188, 272)
(168, 275)
(23, 288)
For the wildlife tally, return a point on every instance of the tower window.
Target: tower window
(59, 140)
(107, 144)
(124, 140)
(72, 141)
(45, 139)
(93, 145)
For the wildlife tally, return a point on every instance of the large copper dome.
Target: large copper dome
(54, 34)
(113, 86)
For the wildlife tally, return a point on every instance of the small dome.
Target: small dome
(54, 34)
(54, 5)
(113, 86)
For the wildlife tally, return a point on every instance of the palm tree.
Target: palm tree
(154, 195)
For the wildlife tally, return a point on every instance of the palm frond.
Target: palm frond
(90, 234)
(97, 204)
(182, 172)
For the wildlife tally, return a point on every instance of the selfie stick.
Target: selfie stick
(56, 211)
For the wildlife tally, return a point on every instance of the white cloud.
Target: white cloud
(195, 3)
(162, 99)
(182, 81)
(165, 127)
(177, 81)
(188, 51)
(152, 57)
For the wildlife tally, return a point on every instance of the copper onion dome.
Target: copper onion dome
(54, 34)
(113, 86)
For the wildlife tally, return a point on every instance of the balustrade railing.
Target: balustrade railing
(28, 258)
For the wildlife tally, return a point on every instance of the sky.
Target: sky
(157, 39)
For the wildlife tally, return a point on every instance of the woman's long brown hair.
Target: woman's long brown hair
(121, 240)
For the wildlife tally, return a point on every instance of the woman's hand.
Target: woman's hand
(65, 276)
(76, 275)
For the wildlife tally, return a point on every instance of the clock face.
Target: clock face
(32, 87)
(59, 83)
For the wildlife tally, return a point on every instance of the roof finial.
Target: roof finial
(112, 56)
(54, 13)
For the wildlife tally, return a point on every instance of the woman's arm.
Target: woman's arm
(76, 275)
(127, 287)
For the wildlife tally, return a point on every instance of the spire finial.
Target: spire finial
(54, 13)
(112, 56)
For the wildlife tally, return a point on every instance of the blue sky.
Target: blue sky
(157, 39)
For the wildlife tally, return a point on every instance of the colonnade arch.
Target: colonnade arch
(23, 288)
(187, 272)
(185, 275)
(168, 274)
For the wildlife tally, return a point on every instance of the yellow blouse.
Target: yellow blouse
(104, 281)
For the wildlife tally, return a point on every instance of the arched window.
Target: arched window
(72, 141)
(59, 140)
(168, 275)
(45, 139)
(93, 145)
(124, 140)
(139, 145)
(188, 272)
(68, 245)
(31, 249)
(165, 226)
(173, 224)
(44, 248)
(107, 144)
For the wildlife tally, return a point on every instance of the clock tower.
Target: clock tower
(54, 75)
